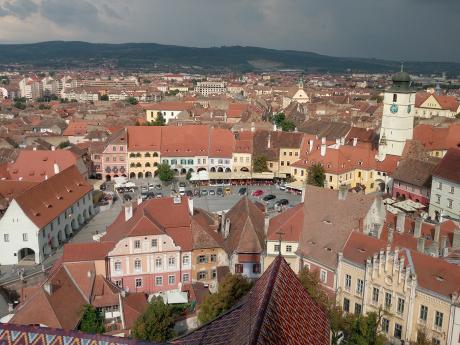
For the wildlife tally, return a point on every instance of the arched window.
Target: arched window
(147, 154)
(132, 155)
(132, 165)
(155, 154)
(147, 165)
(138, 155)
(138, 165)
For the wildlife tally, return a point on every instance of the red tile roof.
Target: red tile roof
(76, 252)
(449, 168)
(45, 201)
(446, 102)
(236, 110)
(438, 138)
(144, 138)
(289, 223)
(152, 217)
(277, 310)
(38, 165)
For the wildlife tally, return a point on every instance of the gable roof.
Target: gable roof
(449, 168)
(277, 310)
(154, 217)
(247, 223)
(416, 172)
(45, 201)
(88, 251)
(329, 221)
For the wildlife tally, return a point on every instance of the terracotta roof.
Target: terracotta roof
(327, 129)
(438, 138)
(45, 201)
(278, 140)
(144, 138)
(168, 106)
(38, 165)
(328, 222)
(221, 143)
(277, 310)
(446, 102)
(134, 304)
(89, 251)
(177, 141)
(236, 110)
(247, 234)
(152, 217)
(416, 172)
(289, 223)
(433, 274)
(449, 168)
(204, 237)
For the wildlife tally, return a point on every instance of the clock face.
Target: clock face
(409, 108)
(394, 108)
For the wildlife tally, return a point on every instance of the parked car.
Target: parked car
(243, 191)
(158, 195)
(103, 186)
(158, 187)
(151, 186)
(181, 191)
(127, 197)
(269, 197)
(204, 192)
(189, 193)
(227, 191)
(282, 186)
(220, 192)
(282, 202)
(182, 184)
(212, 192)
(144, 189)
(258, 192)
(196, 192)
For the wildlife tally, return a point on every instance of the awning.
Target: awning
(298, 185)
(202, 175)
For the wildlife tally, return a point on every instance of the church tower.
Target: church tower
(398, 116)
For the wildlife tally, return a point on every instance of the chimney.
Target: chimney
(253, 127)
(355, 141)
(10, 307)
(48, 288)
(444, 246)
(456, 240)
(437, 232)
(190, 206)
(275, 127)
(310, 145)
(266, 224)
(390, 236)
(400, 221)
(53, 148)
(421, 244)
(418, 227)
(343, 191)
(323, 141)
(226, 228)
(56, 168)
(303, 195)
(323, 150)
(337, 142)
(35, 148)
(128, 211)
(139, 199)
(342, 141)
(89, 274)
(269, 141)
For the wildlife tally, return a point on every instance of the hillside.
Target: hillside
(59, 54)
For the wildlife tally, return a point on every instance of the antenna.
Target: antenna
(280, 237)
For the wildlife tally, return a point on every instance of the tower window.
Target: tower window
(395, 97)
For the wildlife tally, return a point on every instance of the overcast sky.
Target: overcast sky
(394, 29)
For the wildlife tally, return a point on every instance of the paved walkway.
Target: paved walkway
(98, 223)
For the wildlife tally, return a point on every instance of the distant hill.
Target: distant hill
(59, 54)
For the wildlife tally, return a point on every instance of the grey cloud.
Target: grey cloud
(396, 29)
(71, 13)
(18, 8)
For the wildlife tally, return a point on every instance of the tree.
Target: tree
(20, 103)
(91, 321)
(156, 323)
(260, 164)
(279, 118)
(132, 100)
(364, 330)
(104, 97)
(287, 126)
(64, 144)
(230, 291)
(458, 116)
(422, 339)
(165, 173)
(160, 120)
(311, 282)
(316, 175)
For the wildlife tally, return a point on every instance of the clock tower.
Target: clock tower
(398, 116)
